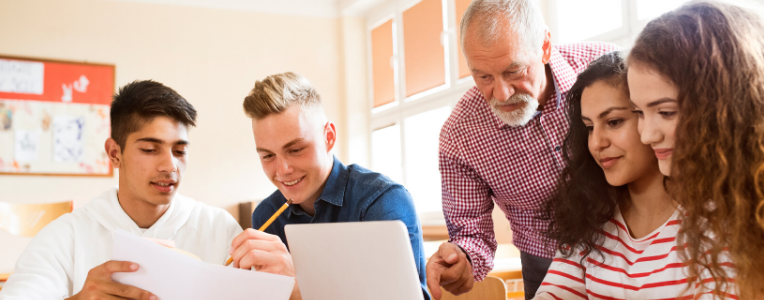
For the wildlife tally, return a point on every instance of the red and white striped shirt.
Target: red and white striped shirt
(645, 268)
(485, 161)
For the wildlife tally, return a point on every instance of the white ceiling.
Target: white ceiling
(314, 8)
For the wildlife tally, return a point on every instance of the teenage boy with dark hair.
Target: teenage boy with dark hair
(69, 258)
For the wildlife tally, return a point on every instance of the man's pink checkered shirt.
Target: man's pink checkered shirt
(484, 161)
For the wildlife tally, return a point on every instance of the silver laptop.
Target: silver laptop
(354, 260)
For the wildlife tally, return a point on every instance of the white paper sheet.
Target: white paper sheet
(27, 145)
(23, 77)
(68, 140)
(170, 275)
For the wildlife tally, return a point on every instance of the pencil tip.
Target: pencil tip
(289, 201)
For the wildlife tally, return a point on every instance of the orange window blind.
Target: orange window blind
(461, 7)
(424, 57)
(382, 70)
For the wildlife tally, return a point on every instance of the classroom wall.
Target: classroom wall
(210, 56)
(357, 108)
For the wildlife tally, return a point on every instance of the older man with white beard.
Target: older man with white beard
(506, 150)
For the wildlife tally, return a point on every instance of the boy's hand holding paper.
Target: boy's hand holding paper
(169, 275)
(99, 284)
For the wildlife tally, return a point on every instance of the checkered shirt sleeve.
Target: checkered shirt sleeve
(467, 206)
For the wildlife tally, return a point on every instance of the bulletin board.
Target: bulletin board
(54, 117)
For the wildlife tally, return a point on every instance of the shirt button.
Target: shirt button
(557, 148)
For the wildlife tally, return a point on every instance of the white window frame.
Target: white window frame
(446, 95)
(623, 36)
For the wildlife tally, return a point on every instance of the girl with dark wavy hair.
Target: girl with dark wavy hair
(697, 80)
(615, 222)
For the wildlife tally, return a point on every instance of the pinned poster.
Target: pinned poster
(68, 143)
(27, 145)
(22, 77)
(68, 103)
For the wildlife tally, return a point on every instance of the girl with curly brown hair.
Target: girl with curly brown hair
(615, 222)
(697, 81)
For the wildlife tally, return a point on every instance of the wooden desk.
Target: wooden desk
(506, 265)
(509, 269)
(434, 233)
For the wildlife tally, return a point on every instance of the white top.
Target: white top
(645, 268)
(56, 262)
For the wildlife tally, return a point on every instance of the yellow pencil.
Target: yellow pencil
(268, 223)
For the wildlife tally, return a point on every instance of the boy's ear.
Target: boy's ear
(330, 135)
(114, 152)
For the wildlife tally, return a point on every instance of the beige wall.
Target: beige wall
(354, 40)
(211, 57)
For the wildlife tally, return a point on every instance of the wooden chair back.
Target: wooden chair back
(492, 288)
(27, 219)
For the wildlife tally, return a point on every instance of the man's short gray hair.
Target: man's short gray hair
(523, 17)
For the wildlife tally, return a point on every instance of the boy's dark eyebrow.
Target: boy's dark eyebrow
(161, 142)
(660, 101)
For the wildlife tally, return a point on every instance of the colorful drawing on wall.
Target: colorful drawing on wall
(6, 117)
(54, 117)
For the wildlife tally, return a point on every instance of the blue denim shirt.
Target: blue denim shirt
(351, 194)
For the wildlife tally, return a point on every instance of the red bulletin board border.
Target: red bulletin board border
(67, 72)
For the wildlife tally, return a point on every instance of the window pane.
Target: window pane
(648, 9)
(424, 56)
(461, 7)
(386, 152)
(583, 19)
(422, 132)
(382, 70)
